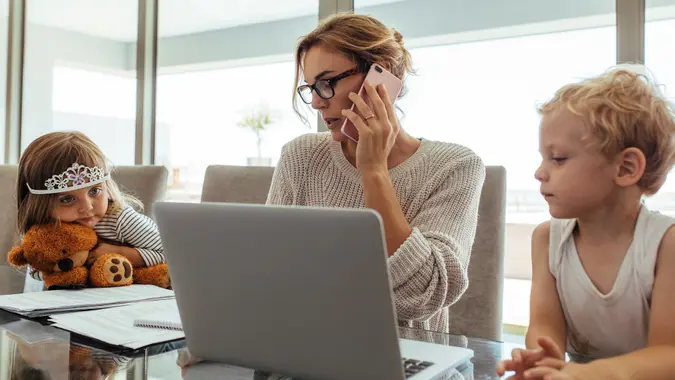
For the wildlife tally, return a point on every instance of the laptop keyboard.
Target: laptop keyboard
(411, 366)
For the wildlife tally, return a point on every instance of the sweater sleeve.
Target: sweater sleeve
(140, 232)
(429, 270)
(280, 192)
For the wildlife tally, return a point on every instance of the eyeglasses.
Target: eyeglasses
(325, 88)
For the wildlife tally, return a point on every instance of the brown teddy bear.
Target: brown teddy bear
(60, 250)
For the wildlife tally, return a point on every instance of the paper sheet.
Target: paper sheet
(55, 301)
(116, 325)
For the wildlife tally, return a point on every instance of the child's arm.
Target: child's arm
(547, 330)
(546, 315)
(141, 233)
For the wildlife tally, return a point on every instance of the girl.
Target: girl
(604, 266)
(64, 177)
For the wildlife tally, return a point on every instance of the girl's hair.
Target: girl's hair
(361, 38)
(52, 154)
(625, 109)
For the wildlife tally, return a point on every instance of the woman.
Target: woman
(426, 192)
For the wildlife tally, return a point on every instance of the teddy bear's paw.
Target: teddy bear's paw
(112, 270)
(66, 280)
(157, 275)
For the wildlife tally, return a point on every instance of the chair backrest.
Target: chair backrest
(479, 312)
(145, 182)
(237, 184)
(11, 279)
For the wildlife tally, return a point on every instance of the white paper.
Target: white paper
(54, 301)
(116, 325)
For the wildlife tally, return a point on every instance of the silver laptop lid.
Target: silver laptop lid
(296, 290)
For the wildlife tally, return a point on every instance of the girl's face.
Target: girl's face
(85, 206)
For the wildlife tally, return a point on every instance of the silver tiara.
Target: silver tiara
(74, 178)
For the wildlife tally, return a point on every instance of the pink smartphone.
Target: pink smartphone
(376, 75)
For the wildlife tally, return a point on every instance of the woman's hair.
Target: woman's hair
(361, 38)
(52, 154)
(625, 109)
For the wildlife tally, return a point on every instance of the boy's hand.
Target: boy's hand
(524, 359)
(554, 369)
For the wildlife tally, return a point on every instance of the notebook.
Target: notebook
(164, 320)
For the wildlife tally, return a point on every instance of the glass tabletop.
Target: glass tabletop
(30, 349)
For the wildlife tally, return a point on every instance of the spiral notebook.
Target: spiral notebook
(164, 320)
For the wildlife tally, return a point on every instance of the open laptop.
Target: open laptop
(295, 290)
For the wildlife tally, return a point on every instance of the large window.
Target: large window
(4, 11)
(660, 60)
(221, 73)
(79, 72)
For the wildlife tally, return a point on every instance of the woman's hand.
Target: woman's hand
(378, 128)
(185, 360)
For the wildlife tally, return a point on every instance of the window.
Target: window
(4, 9)
(211, 78)
(79, 72)
(482, 68)
(660, 60)
(99, 105)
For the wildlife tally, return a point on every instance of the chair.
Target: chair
(11, 279)
(237, 184)
(478, 313)
(145, 182)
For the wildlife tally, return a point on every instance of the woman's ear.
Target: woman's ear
(631, 167)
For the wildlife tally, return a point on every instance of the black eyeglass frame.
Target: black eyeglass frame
(331, 84)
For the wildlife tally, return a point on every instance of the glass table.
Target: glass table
(30, 349)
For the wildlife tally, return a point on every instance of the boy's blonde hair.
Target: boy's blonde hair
(361, 38)
(51, 154)
(625, 109)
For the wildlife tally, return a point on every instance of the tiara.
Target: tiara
(74, 178)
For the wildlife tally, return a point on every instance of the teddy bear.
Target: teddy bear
(60, 250)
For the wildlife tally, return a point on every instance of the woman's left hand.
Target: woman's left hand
(378, 128)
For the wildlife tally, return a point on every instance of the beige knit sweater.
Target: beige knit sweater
(438, 189)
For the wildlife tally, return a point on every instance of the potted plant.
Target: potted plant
(258, 121)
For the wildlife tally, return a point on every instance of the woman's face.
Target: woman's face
(323, 63)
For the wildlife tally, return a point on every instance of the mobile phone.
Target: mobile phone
(376, 75)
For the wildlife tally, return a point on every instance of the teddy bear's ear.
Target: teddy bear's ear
(16, 257)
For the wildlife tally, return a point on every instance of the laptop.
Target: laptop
(294, 290)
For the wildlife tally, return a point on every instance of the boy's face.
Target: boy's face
(576, 178)
(85, 206)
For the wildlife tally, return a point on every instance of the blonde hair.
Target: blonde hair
(625, 109)
(361, 38)
(51, 154)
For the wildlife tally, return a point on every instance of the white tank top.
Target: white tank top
(616, 323)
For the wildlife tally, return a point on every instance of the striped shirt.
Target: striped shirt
(131, 228)
(134, 229)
